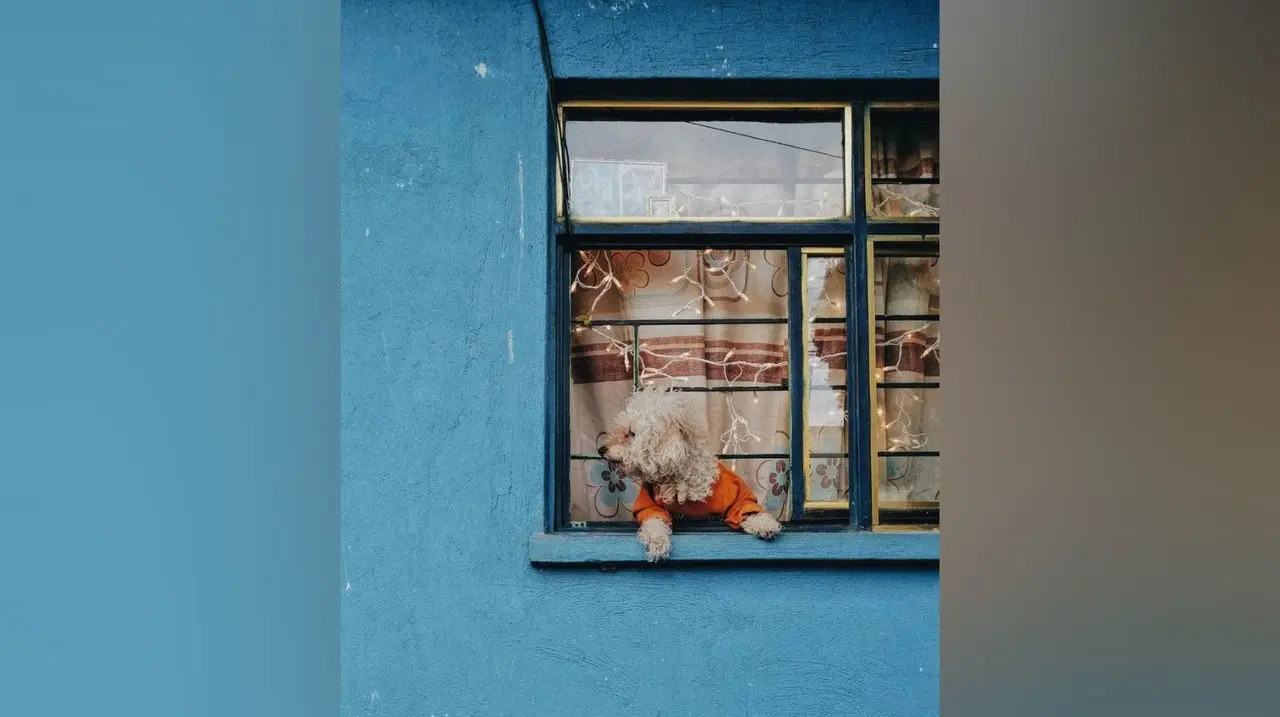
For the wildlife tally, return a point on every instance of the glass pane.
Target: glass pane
(740, 356)
(908, 373)
(825, 289)
(828, 444)
(679, 285)
(598, 494)
(825, 286)
(908, 419)
(908, 286)
(702, 165)
(904, 145)
(907, 349)
(615, 297)
(908, 479)
(910, 201)
(827, 419)
(828, 480)
(600, 380)
(770, 479)
(752, 422)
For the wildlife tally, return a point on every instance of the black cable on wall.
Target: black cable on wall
(563, 156)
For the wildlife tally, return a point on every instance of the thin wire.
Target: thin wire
(762, 139)
(562, 158)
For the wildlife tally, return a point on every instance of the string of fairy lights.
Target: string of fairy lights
(738, 208)
(915, 208)
(883, 205)
(904, 438)
(597, 273)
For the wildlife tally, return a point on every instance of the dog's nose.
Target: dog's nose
(601, 450)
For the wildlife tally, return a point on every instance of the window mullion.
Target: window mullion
(858, 372)
(558, 489)
(796, 356)
(858, 340)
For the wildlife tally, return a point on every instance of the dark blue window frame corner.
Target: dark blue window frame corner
(843, 547)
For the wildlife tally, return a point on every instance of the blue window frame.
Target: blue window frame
(885, 220)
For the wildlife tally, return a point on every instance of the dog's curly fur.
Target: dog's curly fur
(661, 438)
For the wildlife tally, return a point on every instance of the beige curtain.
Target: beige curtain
(652, 285)
(668, 286)
(672, 285)
(902, 150)
(908, 352)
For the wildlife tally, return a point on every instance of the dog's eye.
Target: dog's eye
(631, 434)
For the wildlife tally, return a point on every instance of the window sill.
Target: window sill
(596, 549)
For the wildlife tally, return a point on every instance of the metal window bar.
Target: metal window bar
(722, 456)
(875, 181)
(680, 322)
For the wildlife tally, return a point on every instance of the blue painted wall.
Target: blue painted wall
(444, 241)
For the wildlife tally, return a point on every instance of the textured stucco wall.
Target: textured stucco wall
(444, 241)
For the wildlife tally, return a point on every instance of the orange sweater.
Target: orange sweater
(730, 497)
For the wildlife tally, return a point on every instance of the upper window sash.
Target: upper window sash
(901, 180)
(776, 159)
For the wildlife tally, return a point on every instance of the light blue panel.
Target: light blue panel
(444, 284)
(727, 547)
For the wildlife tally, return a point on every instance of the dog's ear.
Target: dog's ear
(683, 427)
(675, 446)
(683, 433)
(691, 421)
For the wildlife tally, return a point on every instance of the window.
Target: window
(903, 166)
(905, 429)
(779, 262)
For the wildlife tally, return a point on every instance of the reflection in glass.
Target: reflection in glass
(791, 166)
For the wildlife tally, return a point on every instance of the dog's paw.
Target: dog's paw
(655, 536)
(761, 525)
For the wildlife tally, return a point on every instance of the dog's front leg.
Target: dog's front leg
(761, 525)
(655, 536)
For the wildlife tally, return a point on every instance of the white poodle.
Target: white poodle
(660, 440)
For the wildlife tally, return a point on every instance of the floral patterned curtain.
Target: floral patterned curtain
(671, 285)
